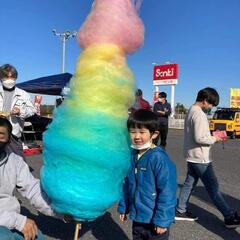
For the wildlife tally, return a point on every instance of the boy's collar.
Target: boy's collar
(140, 154)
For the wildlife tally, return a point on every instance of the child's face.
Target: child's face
(141, 136)
(4, 137)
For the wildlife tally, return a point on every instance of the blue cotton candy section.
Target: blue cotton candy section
(85, 160)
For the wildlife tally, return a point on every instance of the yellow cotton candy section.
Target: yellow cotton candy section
(102, 82)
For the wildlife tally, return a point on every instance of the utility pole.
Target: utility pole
(64, 37)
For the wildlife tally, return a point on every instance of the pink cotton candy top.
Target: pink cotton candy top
(112, 21)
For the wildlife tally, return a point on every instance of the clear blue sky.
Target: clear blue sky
(203, 37)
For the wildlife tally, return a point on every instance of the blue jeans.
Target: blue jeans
(6, 234)
(206, 173)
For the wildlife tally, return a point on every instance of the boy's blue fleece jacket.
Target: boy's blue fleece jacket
(149, 190)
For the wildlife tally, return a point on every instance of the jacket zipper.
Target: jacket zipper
(135, 175)
(136, 182)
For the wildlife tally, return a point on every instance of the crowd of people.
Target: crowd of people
(150, 187)
(161, 108)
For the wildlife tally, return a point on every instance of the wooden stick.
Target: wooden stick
(77, 228)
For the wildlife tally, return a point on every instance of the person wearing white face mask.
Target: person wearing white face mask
(15, 104)
(149, 189)
(197, 152)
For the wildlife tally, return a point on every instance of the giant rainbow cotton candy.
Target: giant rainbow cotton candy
(86, 148)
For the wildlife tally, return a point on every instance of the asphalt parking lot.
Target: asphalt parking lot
(209, 225)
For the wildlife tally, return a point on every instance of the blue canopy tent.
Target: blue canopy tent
(50, 85)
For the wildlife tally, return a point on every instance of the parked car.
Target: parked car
(226, 119)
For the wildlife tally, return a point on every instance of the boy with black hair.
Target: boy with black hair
(14, 173)
(163, 110)
(197, 144)
(149, 190)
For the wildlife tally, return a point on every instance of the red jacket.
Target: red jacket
(140, 103)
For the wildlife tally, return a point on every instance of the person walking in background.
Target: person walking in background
(163, 110)
(149, 191)
(197, 144)
(140, 102)
(15, 103)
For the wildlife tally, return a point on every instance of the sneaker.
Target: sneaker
(233, 221)
(186, 216)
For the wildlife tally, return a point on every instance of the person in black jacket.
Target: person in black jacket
(163, 110)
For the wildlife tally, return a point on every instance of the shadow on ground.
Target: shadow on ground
(210, 221)
(201, 193)
(104, 228)
(213, 224)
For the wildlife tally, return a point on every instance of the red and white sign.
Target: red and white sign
(165, 74)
